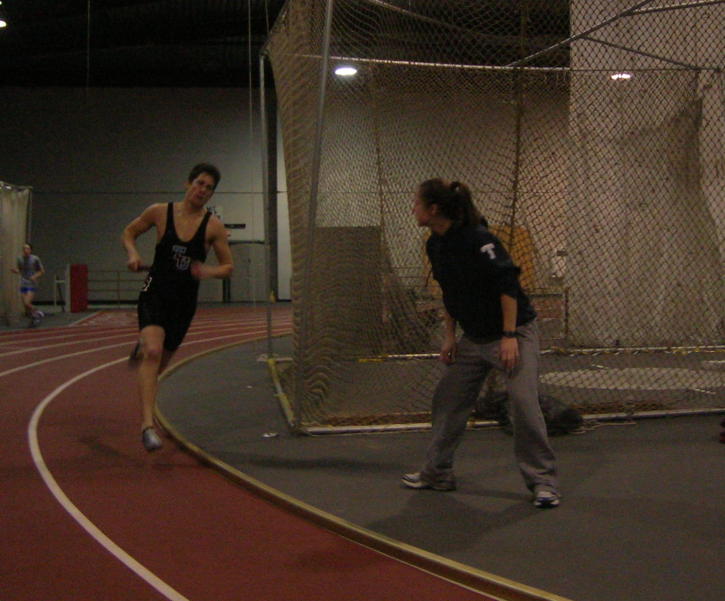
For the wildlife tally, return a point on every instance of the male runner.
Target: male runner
(185, 231)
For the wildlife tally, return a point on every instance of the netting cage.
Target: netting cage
(591, 135)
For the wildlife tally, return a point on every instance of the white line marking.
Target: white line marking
(58, 358)
(101, 348)
(78, 340)
(47, 346)
(51, 334)
(136, 567)
(82, 319)
(52, 484)
(65, 334)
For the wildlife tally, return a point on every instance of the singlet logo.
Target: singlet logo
(181, 261)
(488, 249)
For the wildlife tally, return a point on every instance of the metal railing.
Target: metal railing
(112, 286)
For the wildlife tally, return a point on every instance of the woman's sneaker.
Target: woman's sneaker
(415, 480)
(544, 499)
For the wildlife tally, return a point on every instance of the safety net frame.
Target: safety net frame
(591, 135)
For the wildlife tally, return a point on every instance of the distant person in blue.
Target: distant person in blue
(30, 269)
(482, 295)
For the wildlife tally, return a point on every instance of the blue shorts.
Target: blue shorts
(26, 289)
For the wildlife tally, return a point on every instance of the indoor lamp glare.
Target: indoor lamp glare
(345, 71)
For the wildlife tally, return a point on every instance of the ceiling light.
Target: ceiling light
(622, 76)
(345, 71)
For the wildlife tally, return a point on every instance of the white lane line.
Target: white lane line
(83, 319)
(52, 484)
(50, 336)
(7, 372)
(77, 340)
(132, 564)
(102, 348)
(124, 319)
(61, 333)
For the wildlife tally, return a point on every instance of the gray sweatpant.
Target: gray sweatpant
(457, 392)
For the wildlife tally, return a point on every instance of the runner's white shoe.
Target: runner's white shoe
(150, 439)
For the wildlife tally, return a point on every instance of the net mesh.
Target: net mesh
(591, 135)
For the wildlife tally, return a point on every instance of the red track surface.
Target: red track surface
(166, 527)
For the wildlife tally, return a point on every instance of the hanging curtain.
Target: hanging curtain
(14, 209)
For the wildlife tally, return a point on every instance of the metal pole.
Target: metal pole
(29, 217)
(569, 40)
(669, 7)
(267, 193)
(301, 355)
(643, 53)
(88, 46)
(317, 147)
(519, 115)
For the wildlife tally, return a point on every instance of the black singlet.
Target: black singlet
(170, 272)
(168, 298)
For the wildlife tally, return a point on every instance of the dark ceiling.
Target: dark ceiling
(133, 42)
(205, 43)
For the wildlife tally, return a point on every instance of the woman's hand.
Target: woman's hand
(509, 353)
(448, 350)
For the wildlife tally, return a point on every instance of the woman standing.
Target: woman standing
(482, 294)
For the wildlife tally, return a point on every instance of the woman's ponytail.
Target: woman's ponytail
(453, 199)
(468, 213)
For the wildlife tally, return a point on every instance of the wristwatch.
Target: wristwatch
(509, 333)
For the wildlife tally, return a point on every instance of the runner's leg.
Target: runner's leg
(152, 339)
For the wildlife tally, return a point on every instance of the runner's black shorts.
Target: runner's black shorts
(172, 312)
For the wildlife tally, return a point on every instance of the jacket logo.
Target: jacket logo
(488, 249)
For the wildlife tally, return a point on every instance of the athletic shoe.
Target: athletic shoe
(150, 439)
(416, 481)
(544, 499)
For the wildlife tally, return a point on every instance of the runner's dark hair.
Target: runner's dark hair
(197, 170)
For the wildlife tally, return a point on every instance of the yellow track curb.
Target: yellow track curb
(496, 587)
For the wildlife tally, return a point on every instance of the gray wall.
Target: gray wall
(96, 158)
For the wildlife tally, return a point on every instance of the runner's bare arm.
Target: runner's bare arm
(143, 223)
(40, 272)
(219, 242)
